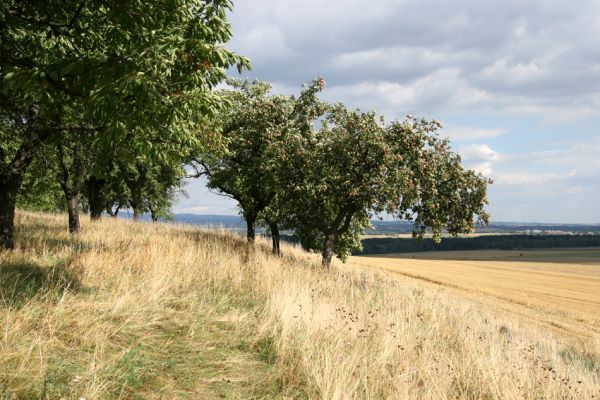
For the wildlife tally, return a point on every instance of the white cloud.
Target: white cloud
(463, 132)
(480, 158)
(583, 155)
(424, 96)
(478, 153)
(265, 42)
(483, 168)
(530, 178)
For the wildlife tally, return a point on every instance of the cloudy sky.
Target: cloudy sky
(514, 82)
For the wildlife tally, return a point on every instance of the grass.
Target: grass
(128, 310)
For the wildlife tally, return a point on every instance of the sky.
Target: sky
(515, 84)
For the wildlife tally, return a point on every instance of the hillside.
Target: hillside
(141, 310)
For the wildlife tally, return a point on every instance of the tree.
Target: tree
(115, 193)
(15, 156)
(165, 183)
(244, 168)
(140, 69)
(152, 186)
(355, 166)
(40, 190)
(254, 127)
(74, 163)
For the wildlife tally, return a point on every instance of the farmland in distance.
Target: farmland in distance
(558, 288)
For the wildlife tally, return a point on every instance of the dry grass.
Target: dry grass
(160, 311)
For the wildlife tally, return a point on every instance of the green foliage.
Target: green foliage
(98, 75)
(40, 190)
(252, 127)
(144, 184)
(132, 67)
(354, 166)
(266, 350)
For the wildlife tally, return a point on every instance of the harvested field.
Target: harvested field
(557, 288)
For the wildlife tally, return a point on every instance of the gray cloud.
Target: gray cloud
(495, 73)
(540, 55)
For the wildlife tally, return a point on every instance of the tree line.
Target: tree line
(106, 104)
(488, 242)
(103, 99)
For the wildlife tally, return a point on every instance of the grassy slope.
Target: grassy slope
(156, 311)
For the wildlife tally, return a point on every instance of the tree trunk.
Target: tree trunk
(73, 210)
(153, 214)
(275, 237)
(250, 230)
(11, 176)
(136, 214)
(95, 191)
(327, 251)
(9, 187)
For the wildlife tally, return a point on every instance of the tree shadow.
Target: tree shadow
(22, 281)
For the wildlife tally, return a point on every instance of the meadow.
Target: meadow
(142, 310)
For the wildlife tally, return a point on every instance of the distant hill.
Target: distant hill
(231, 222)
(236, 222)
(395, 227)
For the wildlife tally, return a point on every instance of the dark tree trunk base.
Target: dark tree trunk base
(153, 215)
(250, 229)
(327, 253)
(275, 238)
(95, 189)
(9, 187)
(73, 210)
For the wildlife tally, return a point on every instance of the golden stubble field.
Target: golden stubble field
(556, 288)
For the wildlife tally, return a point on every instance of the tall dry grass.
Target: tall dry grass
(128, 310)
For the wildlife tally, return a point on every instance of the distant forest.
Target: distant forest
(495, 242)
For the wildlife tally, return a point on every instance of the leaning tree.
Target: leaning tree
(355, 166)
(137, 69)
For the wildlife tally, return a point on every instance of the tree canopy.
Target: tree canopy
(323, 171)
(120, 97)
(137, 72)
(355, 166)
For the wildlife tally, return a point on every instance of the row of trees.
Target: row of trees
(323, 171)
(107, 97)
(491, 242)
(61, 178)
(107, 101)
